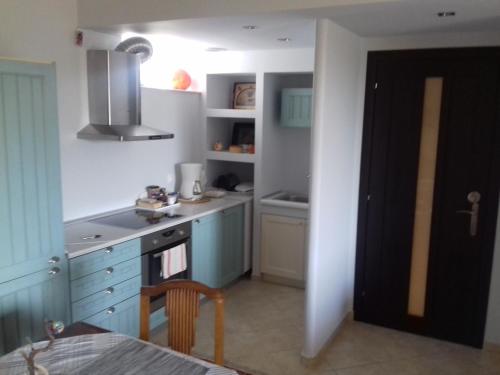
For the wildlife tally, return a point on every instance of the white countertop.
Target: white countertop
(110, 235)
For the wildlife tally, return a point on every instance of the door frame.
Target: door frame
(374, 58)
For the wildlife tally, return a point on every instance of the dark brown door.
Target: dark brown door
(429, 191)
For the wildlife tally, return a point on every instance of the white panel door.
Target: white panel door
(283, 246)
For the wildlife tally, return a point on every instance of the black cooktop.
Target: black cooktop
(136, 219)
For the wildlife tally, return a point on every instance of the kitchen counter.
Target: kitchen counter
(75, 230)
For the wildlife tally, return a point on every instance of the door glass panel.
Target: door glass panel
(425, 189)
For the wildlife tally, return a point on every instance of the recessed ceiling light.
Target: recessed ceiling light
(285, 39)
(216, 49)
(249, 27)
(446, 13)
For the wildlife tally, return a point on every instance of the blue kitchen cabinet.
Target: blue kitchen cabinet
(232, 245)
(206, 244)
(105, 286)
(123, 317)
(296, 108)
(33, 269)
(217, 247)
(26, 302)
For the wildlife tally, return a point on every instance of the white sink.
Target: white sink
(286, 199)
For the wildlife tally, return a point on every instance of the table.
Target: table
(110, 353)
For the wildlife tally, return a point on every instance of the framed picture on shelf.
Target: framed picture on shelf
(243, 133)
(244, 95)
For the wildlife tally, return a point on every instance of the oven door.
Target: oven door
(152, 265)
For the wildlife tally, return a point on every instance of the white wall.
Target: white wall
(96, 176)
(339, 54)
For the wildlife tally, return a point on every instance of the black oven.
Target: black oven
(152, 247)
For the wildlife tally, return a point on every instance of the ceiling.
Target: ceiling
(388, 18)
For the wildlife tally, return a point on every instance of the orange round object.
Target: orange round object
(181, 80)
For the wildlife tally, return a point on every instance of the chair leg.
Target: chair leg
(145, 313)
(219, 332)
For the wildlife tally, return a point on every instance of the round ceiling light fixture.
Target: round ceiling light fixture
(216, 49)
(446, 13)
(284, 39)
(249, 27)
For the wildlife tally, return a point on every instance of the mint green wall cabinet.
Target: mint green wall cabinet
(296, 108)
(206, 242)
(33, 269)
(105, 287)
(232, 245)
(217, 243)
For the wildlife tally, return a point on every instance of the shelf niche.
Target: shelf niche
(220, 89)
(215, 168)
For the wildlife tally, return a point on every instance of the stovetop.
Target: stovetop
(136, 219)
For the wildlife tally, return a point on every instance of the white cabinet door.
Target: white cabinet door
(283, 246)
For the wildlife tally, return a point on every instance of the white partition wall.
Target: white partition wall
(339, 56)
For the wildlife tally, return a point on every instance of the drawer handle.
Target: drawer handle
(109, 270)
(54, 260)
(109, 290)
(108, 250)
(54, 271)
(110, 311)
(197, 221)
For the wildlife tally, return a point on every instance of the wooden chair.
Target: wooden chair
(182, 308)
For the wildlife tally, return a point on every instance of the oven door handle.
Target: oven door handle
(157, 255)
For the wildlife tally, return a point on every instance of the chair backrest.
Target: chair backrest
(182, 303)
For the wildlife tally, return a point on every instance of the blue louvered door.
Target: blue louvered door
(33, 268)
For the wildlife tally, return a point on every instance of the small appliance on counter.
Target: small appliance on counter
(191, 180)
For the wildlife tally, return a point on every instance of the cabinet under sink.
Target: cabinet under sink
(283, 237)
(286, 199)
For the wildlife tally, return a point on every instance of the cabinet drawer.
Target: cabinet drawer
(100, 259)
(94, 303)
(121, 318)
(90, 284)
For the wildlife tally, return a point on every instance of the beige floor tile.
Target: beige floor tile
(264, 330)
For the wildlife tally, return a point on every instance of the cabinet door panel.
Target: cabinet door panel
(283, 246)
(232, 245)
(106, 297)
(105, 278)
(206, 240)
(26, 302)
(100, 259)
(31, 226)
(122, 317)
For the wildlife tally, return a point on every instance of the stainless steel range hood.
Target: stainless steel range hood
(115, 99)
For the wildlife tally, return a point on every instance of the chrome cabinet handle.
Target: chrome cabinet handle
(109, 270)
(54, 260)
(110, 311)
(54, 271)
(197, 221)
(473, 197)
(108, 250)
(109, 290)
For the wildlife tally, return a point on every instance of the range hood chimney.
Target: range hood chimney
(115, 99)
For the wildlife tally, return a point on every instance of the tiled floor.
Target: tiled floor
(264, 333)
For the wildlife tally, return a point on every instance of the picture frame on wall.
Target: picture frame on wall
(244, 95)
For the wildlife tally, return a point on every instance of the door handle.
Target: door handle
(54, 260)
(473, 197)
(54, 271)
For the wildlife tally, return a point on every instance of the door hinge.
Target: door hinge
(368, 197)
(375, 86)
(363, 293)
